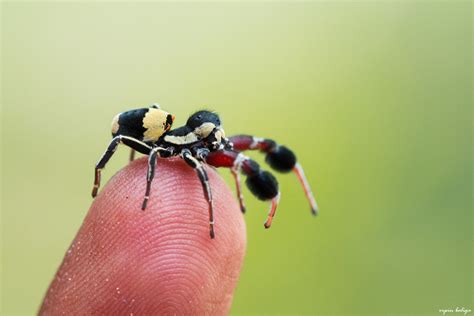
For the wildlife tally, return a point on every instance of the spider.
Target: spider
(202, 141)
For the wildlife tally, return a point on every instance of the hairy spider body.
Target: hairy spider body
(146, 124)
(202, 141)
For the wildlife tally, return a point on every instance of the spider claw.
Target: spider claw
(243, 209)
(145, 202)
(95, 188)
(94, 191)
(298, 170)
(271, 214)
(235, 172)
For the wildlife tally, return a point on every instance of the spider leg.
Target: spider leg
(132, 155)
(156, 151)
(130, 142)
(240, 196)
(236, 169)
(298, 170)
(261, 183)
(198, 166)
(279, 157)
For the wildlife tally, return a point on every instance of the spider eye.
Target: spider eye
(199, 117)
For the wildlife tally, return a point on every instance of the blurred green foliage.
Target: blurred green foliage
(375, 98)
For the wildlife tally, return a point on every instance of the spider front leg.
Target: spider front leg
(236, 173)
(261, 183)
(235, 170)
(197, 165)
(279, 157)
(131, 142)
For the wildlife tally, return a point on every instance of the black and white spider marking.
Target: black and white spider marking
(202, 141)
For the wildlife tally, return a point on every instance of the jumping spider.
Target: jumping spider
(202, 140)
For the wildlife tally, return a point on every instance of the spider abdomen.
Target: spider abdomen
(147, 124)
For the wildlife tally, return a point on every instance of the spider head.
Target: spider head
(204, 123)
(207, 125)
(204, 120)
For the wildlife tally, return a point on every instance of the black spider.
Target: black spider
(202, 140)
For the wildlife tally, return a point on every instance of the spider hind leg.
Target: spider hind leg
(126, 140)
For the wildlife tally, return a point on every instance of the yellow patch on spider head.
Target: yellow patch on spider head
(219, 134)
(154, 122)
(204, 130)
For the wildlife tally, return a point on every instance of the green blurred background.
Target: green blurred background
(375, 98)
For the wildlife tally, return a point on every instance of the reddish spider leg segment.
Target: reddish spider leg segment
(234, 161)
(261, 183)
(307, 189)
(246, 142)
(279, 158)
(236, 174)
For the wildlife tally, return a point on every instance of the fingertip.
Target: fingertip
(164, 259)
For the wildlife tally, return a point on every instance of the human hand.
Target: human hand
(158, 261)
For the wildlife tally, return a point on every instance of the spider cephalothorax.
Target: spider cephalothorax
(202, 141)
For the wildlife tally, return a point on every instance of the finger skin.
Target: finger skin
(161, 261)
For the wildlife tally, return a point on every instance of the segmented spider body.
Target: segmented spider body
(202, 141)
